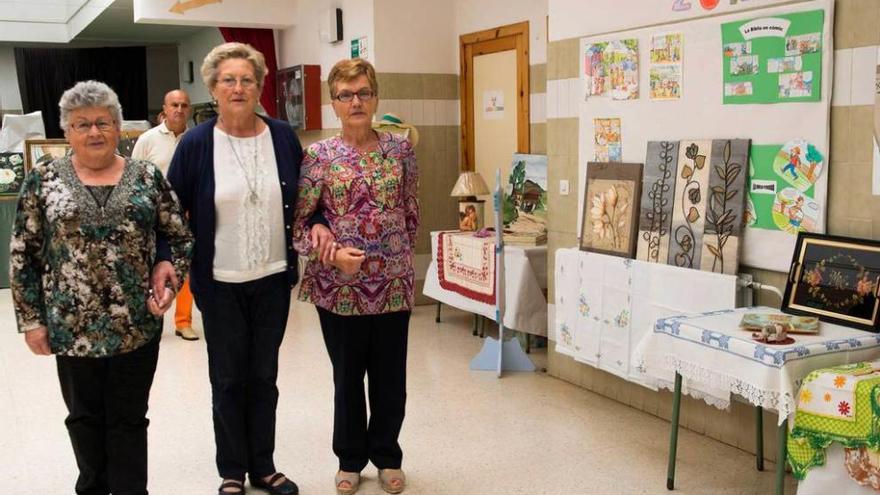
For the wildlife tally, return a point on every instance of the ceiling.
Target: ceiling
(116, 24)
(26, 22)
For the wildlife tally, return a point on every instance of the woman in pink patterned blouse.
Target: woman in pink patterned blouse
(366, 184)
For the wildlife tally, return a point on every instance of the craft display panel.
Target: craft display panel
(836, 279)
(127, 140)
(689, 204)
(610, 215)
(611, 68)
(780, 56)
(725, 205)
(769, 193)
(526, 190)
(658, 191)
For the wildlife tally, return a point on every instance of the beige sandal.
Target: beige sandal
(387, 477)
(353, 479)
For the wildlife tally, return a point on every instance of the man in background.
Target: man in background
(157, 146)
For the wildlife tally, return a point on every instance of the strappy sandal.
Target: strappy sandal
(353, 479)
(287, 487)
(231, 484)
(387, 477)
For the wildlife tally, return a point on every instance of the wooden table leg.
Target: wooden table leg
(673, 435)
(482, 327)
(759, 437)
(782, 438)
(437, 318)
(476, 324)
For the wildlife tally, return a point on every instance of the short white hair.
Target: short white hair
(85, 94)
(228, 51)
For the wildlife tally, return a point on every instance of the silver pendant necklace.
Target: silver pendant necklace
(253, 197)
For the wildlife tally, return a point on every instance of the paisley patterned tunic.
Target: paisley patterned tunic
(82, 269)
(370, 201)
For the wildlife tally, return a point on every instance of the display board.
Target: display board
(685, 100)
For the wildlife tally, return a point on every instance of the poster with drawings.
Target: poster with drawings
(611, 68)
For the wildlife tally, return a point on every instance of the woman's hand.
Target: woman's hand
(38, 341)
(347, 259)
(322, 240)
(159, 305)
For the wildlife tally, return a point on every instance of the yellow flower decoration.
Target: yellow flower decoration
(806, 396)
(840, 381)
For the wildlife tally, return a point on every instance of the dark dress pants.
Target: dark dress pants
(374, 345)
(107, 421)
(244, 327)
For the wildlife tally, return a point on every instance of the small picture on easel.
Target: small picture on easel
(469, 216)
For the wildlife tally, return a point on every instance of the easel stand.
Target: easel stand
(497, 354)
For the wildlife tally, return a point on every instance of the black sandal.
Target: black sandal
(285, 488)
(231, 484)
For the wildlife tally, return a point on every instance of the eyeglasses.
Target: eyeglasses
(84, 126)
(363, 95)
(230, 82)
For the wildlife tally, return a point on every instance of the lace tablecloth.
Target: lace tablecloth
(711, 351)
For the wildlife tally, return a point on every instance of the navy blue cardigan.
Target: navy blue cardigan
(191, 174)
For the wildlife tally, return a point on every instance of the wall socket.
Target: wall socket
(563, 187)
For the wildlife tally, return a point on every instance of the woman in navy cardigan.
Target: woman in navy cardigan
(236, 176)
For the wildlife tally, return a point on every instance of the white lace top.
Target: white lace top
(249, 240)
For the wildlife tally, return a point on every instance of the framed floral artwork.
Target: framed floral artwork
(836, 279)
(12, 172)
(609, 221)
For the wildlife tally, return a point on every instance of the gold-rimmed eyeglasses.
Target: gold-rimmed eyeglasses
(84, 126)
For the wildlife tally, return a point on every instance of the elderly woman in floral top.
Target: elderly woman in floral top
(366, 182)
(82, 252)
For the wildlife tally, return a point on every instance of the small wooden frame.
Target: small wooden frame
(37, 151)
(836, 279)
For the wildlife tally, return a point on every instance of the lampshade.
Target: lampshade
(470, 184)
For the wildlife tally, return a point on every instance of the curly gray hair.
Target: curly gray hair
(230, 50)
(86, 94)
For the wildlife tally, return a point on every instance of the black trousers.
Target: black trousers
(375, 345)
(244, 327)
(107, 421)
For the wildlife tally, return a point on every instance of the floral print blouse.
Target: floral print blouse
(370, 202)
(82, 269)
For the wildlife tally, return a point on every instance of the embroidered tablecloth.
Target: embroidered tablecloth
(836, 404)
(711, 349)
(466, 265)
(606, 304)
(525, 279)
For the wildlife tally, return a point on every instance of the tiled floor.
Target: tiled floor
(466, 432)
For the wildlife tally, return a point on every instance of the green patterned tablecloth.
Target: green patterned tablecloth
(838, 404)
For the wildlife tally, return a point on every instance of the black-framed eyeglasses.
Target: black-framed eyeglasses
(84, 126)
(365, 94)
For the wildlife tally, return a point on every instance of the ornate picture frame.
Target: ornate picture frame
(12, 172)
(835, 278)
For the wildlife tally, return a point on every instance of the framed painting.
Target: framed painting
(12, 172)
(127, 140)
(37, 151)
(610, 216)
(836, 279)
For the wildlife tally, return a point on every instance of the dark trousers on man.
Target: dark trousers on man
(107, 421)
(244, 327)
(374, 345)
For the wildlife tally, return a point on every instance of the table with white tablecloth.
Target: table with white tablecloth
(525, 279)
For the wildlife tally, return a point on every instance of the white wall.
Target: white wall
(413, 37)
(10, 96)
(477, 15)
(301, 43)
(194, 49)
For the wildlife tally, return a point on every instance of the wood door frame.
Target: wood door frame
(510, 37)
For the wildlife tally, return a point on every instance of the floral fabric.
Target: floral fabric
(82, 269)
(370, 202)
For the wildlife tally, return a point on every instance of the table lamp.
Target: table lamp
(470, 210)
